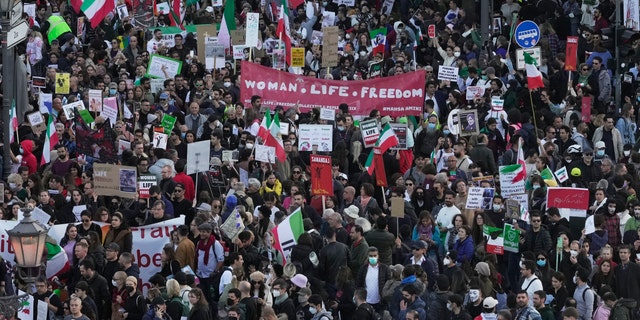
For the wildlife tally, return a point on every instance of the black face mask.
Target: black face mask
(230, 302)
(129, 288)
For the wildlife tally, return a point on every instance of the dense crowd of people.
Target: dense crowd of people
(353, 260)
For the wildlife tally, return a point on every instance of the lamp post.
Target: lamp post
(27, 240)
(8, 73)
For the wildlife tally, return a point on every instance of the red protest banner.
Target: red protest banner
(571, 59)
(321, 179)
(572, 202)
(400, 95)
(378, 162)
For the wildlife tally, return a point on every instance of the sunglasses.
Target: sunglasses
(409, 184)
(297, 172)
(86, 220)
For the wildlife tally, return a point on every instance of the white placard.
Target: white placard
(327, 114)
(198, 154)
(45, 102)
(474, 92)
(160, 140)
(216, 3)
(284, 130)
(123, 145)
(77, 211)
(214, 53)
(328, 18)
(38, 215)
(123, 13)
(159, 63)
(265, 153)
(497, 104)
(534, 52)
(511, 181)
(110, 109)
(562, 174)
(252, 29)
(320, 135)
(241, 52)
(69, 109)
(448, 73)
(348, 3)
(480, 198)
(387, 6)
(36, 118)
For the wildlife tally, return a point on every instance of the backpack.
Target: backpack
(186, 306)
(373, 315)
(179, 301)
(215, 283)
(596, 298)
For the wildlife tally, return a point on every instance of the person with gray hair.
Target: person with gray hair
(253, 191)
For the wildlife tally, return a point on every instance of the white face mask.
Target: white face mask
(611, 210)
(249, 146)
(456, 54)
(12, 185)
(449, 306)
(276, 293)
(114, 283)
(496, 207)
(474, 295)
(227, 84)
(627, 153)
(446, 261)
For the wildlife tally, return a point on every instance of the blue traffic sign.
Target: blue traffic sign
(527, 34)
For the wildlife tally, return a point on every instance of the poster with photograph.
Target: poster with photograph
(35, 119)
(115, 180)
(95, 100)
(123, 13)
(214, 53)
(480, 198)
(62, 83)
(241, 52)
(319, 136)
(161, 67)
(69, 109)
(110, 109)
(468, 122)
(128, 180)
(401, 130)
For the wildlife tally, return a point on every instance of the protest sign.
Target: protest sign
(297, 57)
(168, 122)
(252, 29)
(400, 95)
(35, 119)
(37, 214)
(370, 132)
(123, 145)
(511, 180)
(265, 153)
(241, 52)
(77, 211)
(497, 104)
(511, 238)
(320, 135)
(401, 130)
(204, 31)
(397, 207)
(447, 73)
(162, 67)
(571, 54)
(321, 177)
(571, 202)
(474, 92)
(198, 154)
(95, 100)
(534, 52)
(110, 109)
(62, 83)
(562, 174)
(513, 210)
(146, 181)
(327, 114)
(480, 198)
(378, 163)
(330, 46)
(160, 140)
(495, 239)
(215, 54)
(114, 180)
(230, 155)
(45, 103)
(233, 225)
(238, 37)
(523, 200)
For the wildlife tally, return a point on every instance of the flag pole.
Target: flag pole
(533, 110)
(514, 20)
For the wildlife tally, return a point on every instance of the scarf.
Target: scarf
(206, 247)
(428, 230)
(280, 299)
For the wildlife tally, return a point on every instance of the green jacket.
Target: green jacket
(547, 313)
(359, 256)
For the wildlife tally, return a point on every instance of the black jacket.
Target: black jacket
(287, 307)
(384, 274)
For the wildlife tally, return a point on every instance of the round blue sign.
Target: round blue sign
(527, 34)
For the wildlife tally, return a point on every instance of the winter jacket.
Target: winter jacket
(418, 306)
(465, 249)
(617, 141)
(28, 159)
(623, 309)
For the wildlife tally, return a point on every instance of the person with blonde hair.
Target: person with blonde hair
(175, 306)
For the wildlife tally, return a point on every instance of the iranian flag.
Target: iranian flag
(96, 10)
(534, 77)
(378, 40)
(548, 177)
(522, 174)
(270, 133)
(57, 260)
(283, 31)
(76, 5)
(13, 122)
(264, 130)
(387, 139)
(50, 141)
(228, 24)
(286, 234)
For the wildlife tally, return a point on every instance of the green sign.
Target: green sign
(511, 238)
(86, 116)
(167, 123)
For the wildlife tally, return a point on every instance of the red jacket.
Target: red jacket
(28, 159)
(189, 187)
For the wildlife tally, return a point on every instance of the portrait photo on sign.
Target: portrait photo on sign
(468, 122)
(128, 180)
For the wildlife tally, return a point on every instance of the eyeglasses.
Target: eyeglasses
(590, 154)
(585, 69)
(216, 207)
(86, 220)
(409, 184)
(542, 259)
(198, 85)
(177, 190)
(419, 194)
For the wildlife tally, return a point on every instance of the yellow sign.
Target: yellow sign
(297, 57)
(62, 83)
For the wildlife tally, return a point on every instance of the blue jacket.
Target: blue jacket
(464, 249)
(417, 305)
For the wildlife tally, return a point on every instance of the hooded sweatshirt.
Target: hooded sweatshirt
(28, 159)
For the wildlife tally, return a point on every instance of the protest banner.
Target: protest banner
(370, 132)
(146, 181)
(321, 177)
(114, 180)
(480, 198)
(163, 67)
(495, 239)
(400, 95)
(571, 202)
(447, 73)
(198, 156)
(571, 54)
(511, 180)
(511, 238)
(320, 135)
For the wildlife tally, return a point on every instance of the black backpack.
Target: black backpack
(596, 298)
(215, 284)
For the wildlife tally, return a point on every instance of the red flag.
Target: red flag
(571, 54)
(321, 178)
(378, 162)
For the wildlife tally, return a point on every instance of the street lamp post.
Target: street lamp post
(8, 73)
(28, 243)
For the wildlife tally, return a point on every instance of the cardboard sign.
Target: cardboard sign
(370, 132)
(238, 37)
(330, 47)
(447, 73)
(114, 180)
(204, 31)
(397, 207)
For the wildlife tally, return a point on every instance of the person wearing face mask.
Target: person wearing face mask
(429, 138)
(363, 309)
(282, 303)
(316, 308)
(612, 222)
(134, 305)
(474, 300)
(456, 310)
(632, 225)
(411, 301)
(302, 311)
